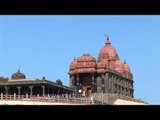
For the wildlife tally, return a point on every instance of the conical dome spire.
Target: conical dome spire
(108, 52)
(107, 42)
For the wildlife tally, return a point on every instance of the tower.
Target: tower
(107, 74)
(82, 73)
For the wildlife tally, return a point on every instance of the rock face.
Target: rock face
(115, 99)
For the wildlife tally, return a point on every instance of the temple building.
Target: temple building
(20, 85)
(107, 74)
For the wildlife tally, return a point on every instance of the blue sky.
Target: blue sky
(46, 45)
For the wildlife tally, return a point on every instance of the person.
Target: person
(84, 93)
(89, 92)
(92, 99)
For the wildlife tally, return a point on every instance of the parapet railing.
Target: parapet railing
(64, 98)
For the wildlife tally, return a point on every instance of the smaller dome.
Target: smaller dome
(127, 71)
(86, 58)
(126, 67)
(73, 66)
(18, 75)
(119, 66)
(86, 64)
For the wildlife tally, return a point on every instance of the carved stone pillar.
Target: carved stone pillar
(93, 84)
(112, 84)
(80, 85)
(106, 82)
(99, 84)
(77, 84)
(129, 92)
(70, 81)
(132, 93)
(31, 90)
(43, 90)
(103, 83)
(19, 90)
(109, 85)
(6, 89)
(77, 79)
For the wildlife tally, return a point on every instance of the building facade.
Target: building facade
(107, 74)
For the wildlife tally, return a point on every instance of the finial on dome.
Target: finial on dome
(19, 69)
(107, 42)
(125, 61)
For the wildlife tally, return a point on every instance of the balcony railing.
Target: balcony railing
(64, 98)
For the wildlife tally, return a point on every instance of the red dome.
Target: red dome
(84, 64)
(126, 67)
(108, 52)
(73, 66)
(86, 58)
(127, 71)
